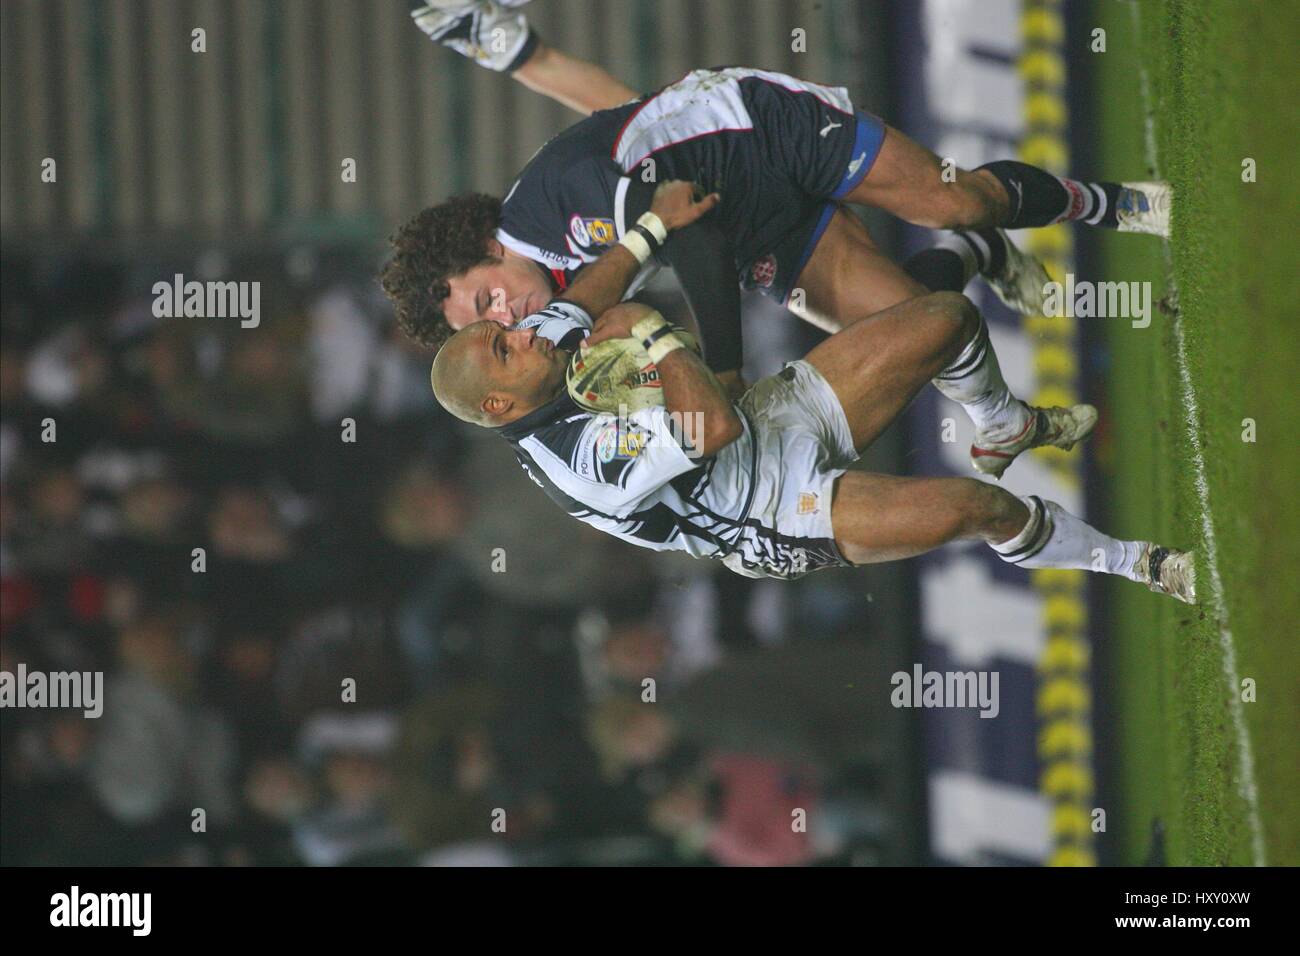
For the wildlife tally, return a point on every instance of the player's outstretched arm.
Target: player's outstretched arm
(578, 84)
(497, 36)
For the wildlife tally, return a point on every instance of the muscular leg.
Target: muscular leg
(877, 365)
(908, 180)
(875, 368)
(876, 372)
(848, 278)
(884, 518)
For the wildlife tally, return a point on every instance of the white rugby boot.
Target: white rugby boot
(1022, 282)
(1056, 426)
(1145, 207)
(1167, 571)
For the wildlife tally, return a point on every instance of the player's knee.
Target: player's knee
(944, 324)
(958, 312)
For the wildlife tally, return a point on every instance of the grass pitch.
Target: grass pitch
(1221, 90)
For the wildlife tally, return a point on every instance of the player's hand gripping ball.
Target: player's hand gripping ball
(617, 374)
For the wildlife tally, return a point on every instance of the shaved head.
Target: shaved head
(489, 375)
(460, 383)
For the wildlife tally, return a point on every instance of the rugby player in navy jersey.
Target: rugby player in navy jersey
(785, 154)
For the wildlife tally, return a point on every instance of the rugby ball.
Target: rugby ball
(617, 374)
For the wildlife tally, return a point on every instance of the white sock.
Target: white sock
(1054, 538)
(974, 380)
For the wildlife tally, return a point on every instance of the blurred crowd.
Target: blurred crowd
(348, 630)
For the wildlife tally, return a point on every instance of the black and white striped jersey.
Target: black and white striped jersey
(635, 477)
(761, 504)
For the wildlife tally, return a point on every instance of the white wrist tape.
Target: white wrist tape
(661, 347)
(655, 225)
(635, 243)
(656, 337)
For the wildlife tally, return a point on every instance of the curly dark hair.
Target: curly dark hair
(440, 242)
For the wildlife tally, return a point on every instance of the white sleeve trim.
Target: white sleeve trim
(551, 260)
(620, 202)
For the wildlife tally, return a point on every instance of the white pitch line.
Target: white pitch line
(1246, 760)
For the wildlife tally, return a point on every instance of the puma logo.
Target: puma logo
(857, 164)
(829, 127)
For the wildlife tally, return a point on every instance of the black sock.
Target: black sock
(957, 258)
(1040, 199)
(938, 269)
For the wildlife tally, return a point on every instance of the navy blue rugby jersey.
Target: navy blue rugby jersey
(775, 147)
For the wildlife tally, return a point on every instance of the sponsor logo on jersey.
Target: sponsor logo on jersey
(578, 229)
(763, 271)
(592, 231)
(620, 441)
(807, 503)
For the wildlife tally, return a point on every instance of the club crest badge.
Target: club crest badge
(763, 271)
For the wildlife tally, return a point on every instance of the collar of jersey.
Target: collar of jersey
(557, 409)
